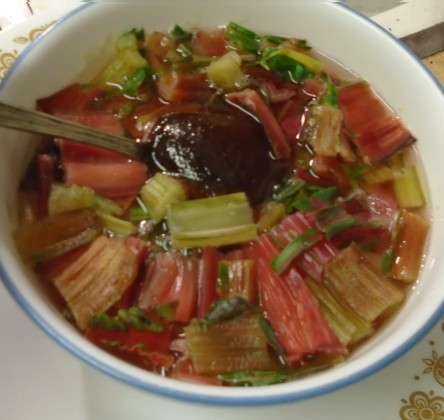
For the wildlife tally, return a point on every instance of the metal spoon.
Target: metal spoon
(41, 123)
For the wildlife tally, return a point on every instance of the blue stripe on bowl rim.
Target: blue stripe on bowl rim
(193, 397)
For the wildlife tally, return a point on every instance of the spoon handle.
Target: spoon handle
(42, 123)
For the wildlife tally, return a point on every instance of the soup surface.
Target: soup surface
(276, 222)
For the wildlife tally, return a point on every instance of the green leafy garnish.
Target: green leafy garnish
(291, 65)
(133, 317)
(134, 81)
(139, 33)
(243, 37)
(107, 322)
(288, 189)
(254, 378)
(331, 96)
(298, 245)
(387, 261)
(138, 319)
(223, 278)
(179, 34)
(166, 311)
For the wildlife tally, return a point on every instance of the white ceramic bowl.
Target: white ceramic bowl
(85, 36)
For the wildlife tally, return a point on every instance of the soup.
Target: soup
(278, 219)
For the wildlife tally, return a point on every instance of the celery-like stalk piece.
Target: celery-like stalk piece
(408, 189)
(96, 278)
(215, 221)
(130, 39)
(234, 345)
(64, 198)
(310, 63)
(115, 225)
(226, 72)
(138, 211)
(346, 324)
(159, 192)
(408, 251)
(379, 174)
(237, 278)
(47, 238)
(359, 286)
(270, 215)
(326, 134)
(106, 205)
(124, 65)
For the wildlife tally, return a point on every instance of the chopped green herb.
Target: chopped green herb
(107, 322)
(179, 34)
(356, 172)
(387, 261)
(254, 378)
(326, 195)
(139, 33)
(223, 278)
(341, 225)
(290, 64)
(138, 319)
(166, 311)
(331, 96)
(134, 81)
(298, 245)
(243, 37)
(288, 189)
(125, 318)
(271, 336)
(274, 39)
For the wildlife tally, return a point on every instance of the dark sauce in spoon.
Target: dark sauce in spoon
(216, 152)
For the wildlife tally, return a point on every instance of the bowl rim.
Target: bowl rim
(157, 387)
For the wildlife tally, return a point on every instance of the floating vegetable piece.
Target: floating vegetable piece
(215, 221)
(226, 72)
(64, 198)
(159, 192)
(96, 279)
(344, 322)
(47, 238)
(300, 244)
(290, 64)
(356, 284)
(242, 37)
(325, 124)
(255, 378)
(229, 346)
(408, 251)
(237, 278)
(170, 278)
(408, 189)
(376, 133)
(116, 225)
(123, 66)
(176, 86)
(270, 215)
(291, 308)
